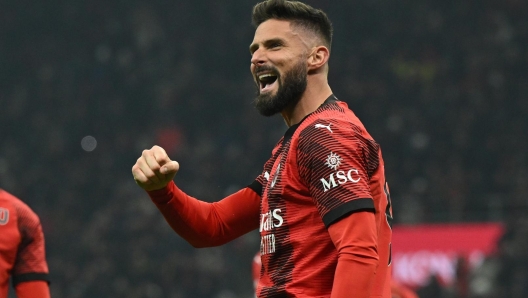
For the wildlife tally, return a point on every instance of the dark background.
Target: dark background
(441, 85)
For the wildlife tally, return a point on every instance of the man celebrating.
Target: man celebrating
(321, 203)
(22, 254)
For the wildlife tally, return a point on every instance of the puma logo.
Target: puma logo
(324, 126)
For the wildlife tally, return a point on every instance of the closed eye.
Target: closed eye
(274, 44)
(270, 44)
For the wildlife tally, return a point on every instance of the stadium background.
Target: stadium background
(441, 85)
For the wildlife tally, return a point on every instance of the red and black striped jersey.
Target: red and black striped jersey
(22, 253)
(324, 168)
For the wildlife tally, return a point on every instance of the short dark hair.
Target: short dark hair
(300, 14)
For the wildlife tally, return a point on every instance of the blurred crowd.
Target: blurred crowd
(441, 85)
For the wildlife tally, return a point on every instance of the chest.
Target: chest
(282, 183)
(286, 199)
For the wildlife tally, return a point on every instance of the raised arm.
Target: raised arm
(202, 224)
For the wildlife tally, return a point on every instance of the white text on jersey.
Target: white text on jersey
(270, 220)
(4, 216)
(342, 178)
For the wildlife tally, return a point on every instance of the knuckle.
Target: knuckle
(139, 163)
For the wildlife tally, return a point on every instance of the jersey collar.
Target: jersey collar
(291, 130)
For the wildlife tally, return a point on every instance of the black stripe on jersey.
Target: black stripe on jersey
(29, 277)
(330, 99)
(364, 204)
(256, 187)
(289, 133)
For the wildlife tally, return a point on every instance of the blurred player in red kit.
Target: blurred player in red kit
(321, 202)
(400, 291)
(22, 254)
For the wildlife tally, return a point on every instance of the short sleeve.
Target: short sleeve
(336, 162)
(30, 263)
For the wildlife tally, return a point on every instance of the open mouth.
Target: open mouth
(267, 81)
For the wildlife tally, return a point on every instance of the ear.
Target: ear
(318, 58)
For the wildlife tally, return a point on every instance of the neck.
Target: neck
(317, 91)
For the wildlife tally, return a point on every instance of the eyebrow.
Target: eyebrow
(267, 43)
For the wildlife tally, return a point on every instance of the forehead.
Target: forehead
(273, 29)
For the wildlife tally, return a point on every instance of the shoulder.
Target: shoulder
(276, 146)
(335, 121)
(333, 129)
(17, 207)
(9, 201)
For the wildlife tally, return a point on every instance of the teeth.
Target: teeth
(265, 76)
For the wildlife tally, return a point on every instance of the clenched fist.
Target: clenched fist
(154, 169)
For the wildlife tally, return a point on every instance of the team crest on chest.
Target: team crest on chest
(4, 216)
(333, 161)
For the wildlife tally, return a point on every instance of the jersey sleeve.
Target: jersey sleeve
(205, 224)
(355, 239)
(33, 289)
(30, 264)
(336, 162)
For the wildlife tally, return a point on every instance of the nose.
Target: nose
(258, 58)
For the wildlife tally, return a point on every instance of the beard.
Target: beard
(288, 94)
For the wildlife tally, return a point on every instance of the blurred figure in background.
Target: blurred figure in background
(22, 252)
(400, 291)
